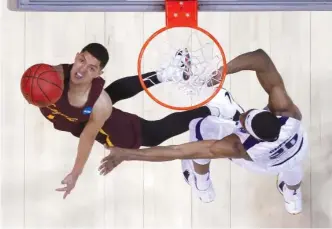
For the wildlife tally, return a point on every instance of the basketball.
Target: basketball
(41, 85)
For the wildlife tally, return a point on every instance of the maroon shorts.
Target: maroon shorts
(123, 130)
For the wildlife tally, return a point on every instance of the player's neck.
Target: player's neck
(78, 89)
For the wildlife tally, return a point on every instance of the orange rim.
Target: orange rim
(139, 70)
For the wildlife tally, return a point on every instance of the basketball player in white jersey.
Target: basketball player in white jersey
(270, 140)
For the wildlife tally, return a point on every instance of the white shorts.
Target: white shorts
(214, 128)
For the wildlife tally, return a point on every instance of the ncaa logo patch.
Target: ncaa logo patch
(87, 110)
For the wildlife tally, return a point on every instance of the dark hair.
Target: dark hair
(266, 126)
(99, 52)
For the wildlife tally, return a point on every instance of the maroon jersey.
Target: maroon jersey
(121, 129)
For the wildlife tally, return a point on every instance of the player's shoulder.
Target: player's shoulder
(104, 97)
(289, 127)
(59, 68)
(104, 100)
(103, 105)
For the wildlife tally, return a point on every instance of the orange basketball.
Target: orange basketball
(41, 85)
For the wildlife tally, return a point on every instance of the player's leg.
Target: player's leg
(154, 132)
(197, 172)
(290, 178)
(130, 86)
(158, 131)
(289, 185)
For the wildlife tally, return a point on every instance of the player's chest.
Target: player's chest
(64, 109)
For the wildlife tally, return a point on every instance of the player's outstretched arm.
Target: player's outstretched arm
(262, 64)
(228, 147)
(259, 61)
(100, 113)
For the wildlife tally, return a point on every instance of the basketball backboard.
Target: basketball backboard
(158, 5)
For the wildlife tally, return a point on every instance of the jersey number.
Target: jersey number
(282, 148)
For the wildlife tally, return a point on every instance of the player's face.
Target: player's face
(85, 68)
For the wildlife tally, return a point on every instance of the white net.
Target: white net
(187, 61)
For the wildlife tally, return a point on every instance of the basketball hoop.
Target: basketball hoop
(181, 16)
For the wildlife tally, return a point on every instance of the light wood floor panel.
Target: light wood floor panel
(320, 171)
(13, 120)
(124, 187)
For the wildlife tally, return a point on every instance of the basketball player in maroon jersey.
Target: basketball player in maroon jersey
(86, 110)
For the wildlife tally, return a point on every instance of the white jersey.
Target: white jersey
(270, 154)
(263, 154)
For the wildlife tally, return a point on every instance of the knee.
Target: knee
(292, 178)
(294, 187)
(202, 161)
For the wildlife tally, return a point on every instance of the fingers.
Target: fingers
(105, 159)
(66, 194)
(109, 162)
(108, 166)
(107, 172)
(66, 189)
(104, 169)
(61, 189)
(103, 166)
(108, 157)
